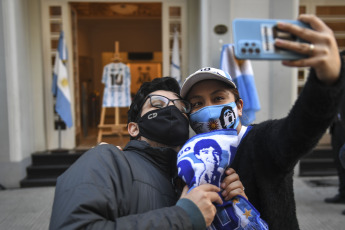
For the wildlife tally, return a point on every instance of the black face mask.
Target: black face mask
(166, 126)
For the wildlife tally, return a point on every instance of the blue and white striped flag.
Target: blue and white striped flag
(242, 74)
(60, 86)
(175, 68)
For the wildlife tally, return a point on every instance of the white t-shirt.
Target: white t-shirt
(117, 80)
(240, 135)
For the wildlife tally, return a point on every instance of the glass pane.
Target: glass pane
(55, 27)
(54, 44)
(302, 10)
(341, 42)
(300, 75)
(171, 42)
(175, 11)
(55, 11)
(173, 26)
(330, 10)
(337, 26)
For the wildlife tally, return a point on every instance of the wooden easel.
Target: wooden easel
(116, 127)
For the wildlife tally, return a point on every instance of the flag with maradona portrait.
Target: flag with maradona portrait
(204, 159)
(60, 85)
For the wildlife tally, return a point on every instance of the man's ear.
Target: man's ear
(133, 129)
(240, 107)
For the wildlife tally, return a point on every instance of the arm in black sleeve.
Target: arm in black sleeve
(288, 139)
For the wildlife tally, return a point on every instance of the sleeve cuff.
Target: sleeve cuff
(193, 212)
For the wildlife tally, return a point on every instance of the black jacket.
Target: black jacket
(111, 189)
(267, 155)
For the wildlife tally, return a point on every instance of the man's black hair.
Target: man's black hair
(164, 83)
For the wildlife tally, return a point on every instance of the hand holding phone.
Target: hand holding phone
(254, 39)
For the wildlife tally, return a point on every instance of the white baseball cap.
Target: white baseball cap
(206, 73)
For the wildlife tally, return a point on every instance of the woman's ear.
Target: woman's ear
(133, 129)
(240, 107)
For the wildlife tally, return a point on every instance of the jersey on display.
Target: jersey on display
(117, 80)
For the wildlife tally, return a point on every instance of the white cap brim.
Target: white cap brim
(201, 76)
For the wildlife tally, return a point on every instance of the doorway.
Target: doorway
(137, 28)
(143, 29)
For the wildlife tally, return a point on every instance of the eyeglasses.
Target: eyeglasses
(159, 101)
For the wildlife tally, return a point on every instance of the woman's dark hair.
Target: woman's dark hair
(236, 94)
(164, 83)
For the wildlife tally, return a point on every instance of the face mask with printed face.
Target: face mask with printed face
(215, 117)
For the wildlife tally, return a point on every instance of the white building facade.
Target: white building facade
(26, 102)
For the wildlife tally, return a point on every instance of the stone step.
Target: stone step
(47, 166)
(319, 162)
(45, 171)
(55, 158)
(37, 182)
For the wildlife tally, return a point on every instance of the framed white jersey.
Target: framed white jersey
(117, 80)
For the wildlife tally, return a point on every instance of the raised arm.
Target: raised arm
(292, 137)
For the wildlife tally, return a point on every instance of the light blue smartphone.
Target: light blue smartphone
(254, 39)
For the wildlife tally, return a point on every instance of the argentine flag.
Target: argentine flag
(242, 74)
(60, 86)
(175, 68)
